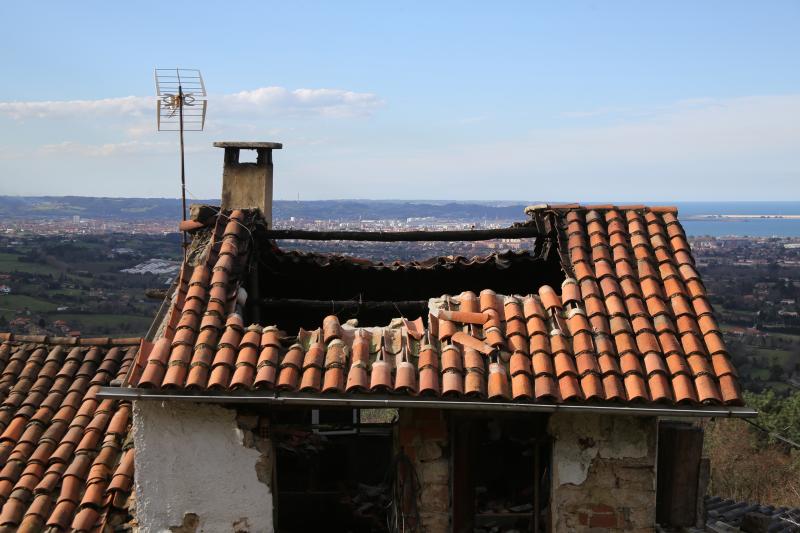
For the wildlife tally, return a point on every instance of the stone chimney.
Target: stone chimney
(248, 185)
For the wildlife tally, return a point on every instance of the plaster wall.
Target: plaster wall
(197, 469)
(604, 473)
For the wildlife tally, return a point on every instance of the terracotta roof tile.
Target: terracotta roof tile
(660, 387)
(731, 391)
(684, 390)
(550, 300)
(707, 390)
(59, 445)
(635, 388)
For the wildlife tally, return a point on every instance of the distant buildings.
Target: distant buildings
(154, 266)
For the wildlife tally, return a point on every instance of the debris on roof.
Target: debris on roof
(630, 322)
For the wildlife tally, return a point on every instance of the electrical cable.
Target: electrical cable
(403, 510)
(773, 434)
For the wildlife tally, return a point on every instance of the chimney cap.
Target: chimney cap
(245, 145)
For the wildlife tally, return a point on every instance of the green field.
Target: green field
(18, 302)
(88, 323)
(82, 274)
(759, 374)
(66, 292)
(786, 337)
(9, 263)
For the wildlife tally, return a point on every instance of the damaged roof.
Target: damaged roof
(66, 460)
(631, 323)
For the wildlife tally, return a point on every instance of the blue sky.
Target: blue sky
(588, 101)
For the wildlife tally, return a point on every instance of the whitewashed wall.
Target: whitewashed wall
(194, 471)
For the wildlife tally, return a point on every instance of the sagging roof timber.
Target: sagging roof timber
(519, 232)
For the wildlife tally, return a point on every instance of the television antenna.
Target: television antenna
(180, 106)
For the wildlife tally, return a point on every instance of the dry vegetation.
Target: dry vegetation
(746, 467)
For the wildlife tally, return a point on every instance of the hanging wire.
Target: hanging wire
(402, 514)
(771, 433)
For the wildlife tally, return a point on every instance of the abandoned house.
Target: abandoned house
(544, 390)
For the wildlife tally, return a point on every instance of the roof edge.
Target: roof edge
(394, 401)
(600, 207)
(70, 341)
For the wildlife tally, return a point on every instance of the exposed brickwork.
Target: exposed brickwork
(603, 473)
(601, 516)
(422, 434)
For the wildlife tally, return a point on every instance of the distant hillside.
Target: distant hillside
(31, 207)
(372, 209)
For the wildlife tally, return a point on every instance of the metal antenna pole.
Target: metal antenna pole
(183, 166)
(181, 106)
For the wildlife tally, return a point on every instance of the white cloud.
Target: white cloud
(106, 149)
(327, 102)
(699, 149)
(591, 113)
(123, 106)
(264, 100)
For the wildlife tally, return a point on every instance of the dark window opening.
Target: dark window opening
(299, 289)
(501, 474)
(331, 470)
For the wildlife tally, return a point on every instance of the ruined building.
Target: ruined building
(545, 389)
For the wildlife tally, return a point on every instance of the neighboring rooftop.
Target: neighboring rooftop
(67, 462)
(724, 515)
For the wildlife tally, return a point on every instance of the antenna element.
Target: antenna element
(180, 106)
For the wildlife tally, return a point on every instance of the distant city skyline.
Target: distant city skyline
(584, 101)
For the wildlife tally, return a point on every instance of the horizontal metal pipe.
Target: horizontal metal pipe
(389, 401)
(396, 236)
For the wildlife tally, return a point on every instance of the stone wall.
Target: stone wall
(199, 467)
(422, 434)
(604, 473)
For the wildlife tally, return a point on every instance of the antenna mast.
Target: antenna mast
(181, 106)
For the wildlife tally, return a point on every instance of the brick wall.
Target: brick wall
(604, 473)
(422, 434)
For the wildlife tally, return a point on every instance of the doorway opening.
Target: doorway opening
(501, 473)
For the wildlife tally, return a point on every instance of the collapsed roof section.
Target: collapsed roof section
(606, 308)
